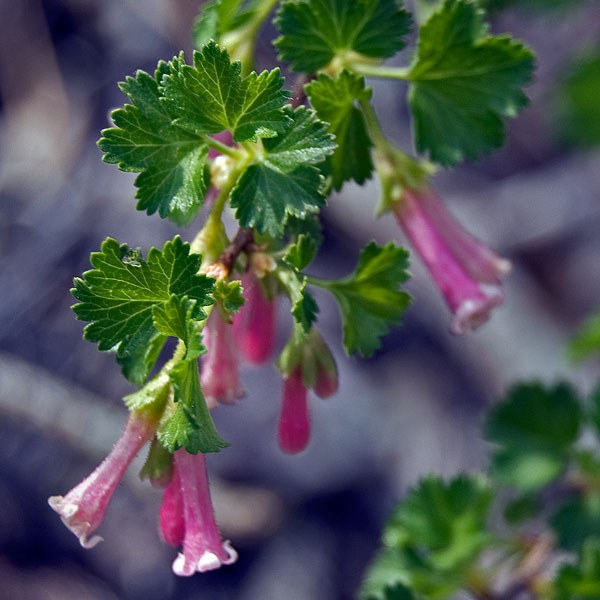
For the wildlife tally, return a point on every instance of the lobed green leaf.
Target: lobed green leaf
(314, 32)
(463, 83)
(335, 102)
(370, 299)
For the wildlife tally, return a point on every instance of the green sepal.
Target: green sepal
(308, 352)
(152, 397)
(158, 467)
(189, 425)
(229, 295)
(301, 253)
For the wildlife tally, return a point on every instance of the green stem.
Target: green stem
(241, 42)
(397, 170)
(222, 148)
(214, 221)
(381, 71)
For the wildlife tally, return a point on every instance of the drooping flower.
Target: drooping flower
(172, 524)
(203, 548)
(82, 509)
(294, 420)
(254, 325)
(306, 363)
(219, 373)
(466, 271)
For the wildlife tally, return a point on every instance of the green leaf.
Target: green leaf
(335, 102)
(211, 97)
(284, 181)
(463, 82)
(370, 299)
(230, 295)
(121, 295)
(302, 252)
(171, 161)
(582, 580)
(314, 32)
(190, 426)
(175, 318)
(445, 522)
(137, 366)
(215, 19)
(388, 574)
(304, 308)
(594, 410)
(576, 520)
(534, 429)
(587, 341)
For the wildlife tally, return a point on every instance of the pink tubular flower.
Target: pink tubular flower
(203, 549)
(466, 271)
(254, 325)
(219, 368)
(83, 508)
(172, 524)
(294, 420)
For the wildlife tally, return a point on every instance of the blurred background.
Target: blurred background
(305, 526)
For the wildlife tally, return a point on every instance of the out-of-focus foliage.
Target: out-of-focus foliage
(542, 478)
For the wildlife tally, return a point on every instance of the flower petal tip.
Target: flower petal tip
(474, 312)
(81, 529)
(209, 561)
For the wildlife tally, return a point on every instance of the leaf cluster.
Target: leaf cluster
(542, 478)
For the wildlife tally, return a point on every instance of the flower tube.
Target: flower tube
(294, 420)
(464, 269)
(219, 373)
(82, 509)
(203, 548)
(254, 325)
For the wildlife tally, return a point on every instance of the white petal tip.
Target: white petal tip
(471, 314)
(209, 561)
(93, 541)
(232, 555)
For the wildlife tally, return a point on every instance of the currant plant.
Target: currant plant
(529, 528)
(216, 133)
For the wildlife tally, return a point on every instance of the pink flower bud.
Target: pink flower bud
(172, 524)
(326, 384)
(294, 420)
(203, 549)
(464, 269)
(83, 508)
(219, 368)
(254, 325)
